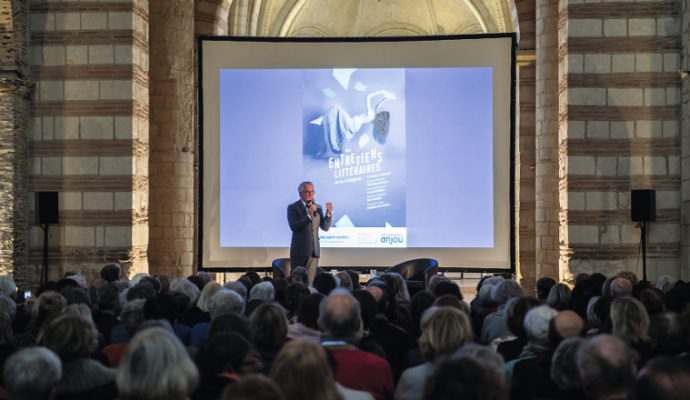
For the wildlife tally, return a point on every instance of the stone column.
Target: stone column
(172, 130)
(546, 185)
(15, 90)
(685, 140)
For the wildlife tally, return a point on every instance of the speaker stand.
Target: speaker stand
(44, 269)
(643, 241)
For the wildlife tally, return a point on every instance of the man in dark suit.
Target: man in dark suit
(305, 217)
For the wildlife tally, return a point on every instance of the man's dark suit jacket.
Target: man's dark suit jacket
(300, 225)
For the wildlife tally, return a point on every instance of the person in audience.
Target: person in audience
(565, 324)
(341, 323)
(667, 334)
(606, 287)
(345, 280)
(564, 372)
(495, 325)
(420, 302)
(448, 288)
(630, 323)
(559, 297)
(47, 305)
(199, 312)
(653, 300)
(186, 287)
(544, 286)
(607, 367)
(237, 287)
(517, 308)
(444, 330)
(464, 378)
(164, 306)
(396, 342)
(663, 378)
(268, 331)
(72, 339)
(665, 283)
(448, 300)
(305, 325)
(255, 387)
(107, 309)
(354, 277)
(132, 316)
(529, 375)
(32, 374)
(294, 294)
(146, 371)
(324, 283)
(435, 280)
(621, 287)
(223, 302)
(222, 360)
(297, 360)
(263, 291)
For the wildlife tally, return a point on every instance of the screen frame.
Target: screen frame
(512, 140)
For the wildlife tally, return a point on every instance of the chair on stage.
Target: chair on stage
(416, 273)
(281, 268)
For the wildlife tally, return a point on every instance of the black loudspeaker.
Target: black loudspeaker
(643, 205)
(47, 208)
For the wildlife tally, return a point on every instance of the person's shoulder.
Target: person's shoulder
(295, 204)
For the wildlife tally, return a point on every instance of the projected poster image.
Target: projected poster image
(354, 148)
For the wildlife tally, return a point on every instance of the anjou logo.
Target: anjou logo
(392, 239)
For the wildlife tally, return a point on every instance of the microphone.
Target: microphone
(309, 204)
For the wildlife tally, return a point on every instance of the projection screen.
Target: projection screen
(411, 139)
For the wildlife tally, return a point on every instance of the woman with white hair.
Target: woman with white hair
(156, 366)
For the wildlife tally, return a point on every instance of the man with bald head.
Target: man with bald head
(564, 325)
(621, 287)
(341, 322)
(607, 367)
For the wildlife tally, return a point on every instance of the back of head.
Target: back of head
(448, 288)
(308, 312)
(225, 301)
(70, 337)
(300, 274)
(665, 283)
(544, 286)
(564, 325)
(345, 280)
(48, 304)
(7, 285)
(237, 287)
(299, 359)
(111, 272)
(268, 325)
(254, 387)
(294, 294)
(324, 283)
(222, 352)
(339, 315)
(484, 355)
(420, 302)
(564, 372)
(186, 287)
(606, 365)
(505, 291)
(32, 373)
(230, 323)
(559, 297)
(516, 310)
(207, 292)
(444, 330)
(263, 291)
(464, 378)
(354, 277)
(629, 320)
(663, 378)
(621, 287)
(537, 324)
(145, 370)
(367, 307)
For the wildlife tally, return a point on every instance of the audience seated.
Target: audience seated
(297, 360)
(351, 344)
(607, 367)
(72, 339)
(444, 330)
(340, 321)
(32, 374)
(156, 366)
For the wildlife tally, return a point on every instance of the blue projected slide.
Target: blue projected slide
(404, 154)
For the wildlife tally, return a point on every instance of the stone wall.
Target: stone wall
(623, 133)
(172, 196)
(89, 131)
(15, 91)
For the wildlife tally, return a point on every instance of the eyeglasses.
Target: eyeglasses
(307, 191)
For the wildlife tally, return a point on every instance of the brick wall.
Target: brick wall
(623, 98)
(89, 131)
